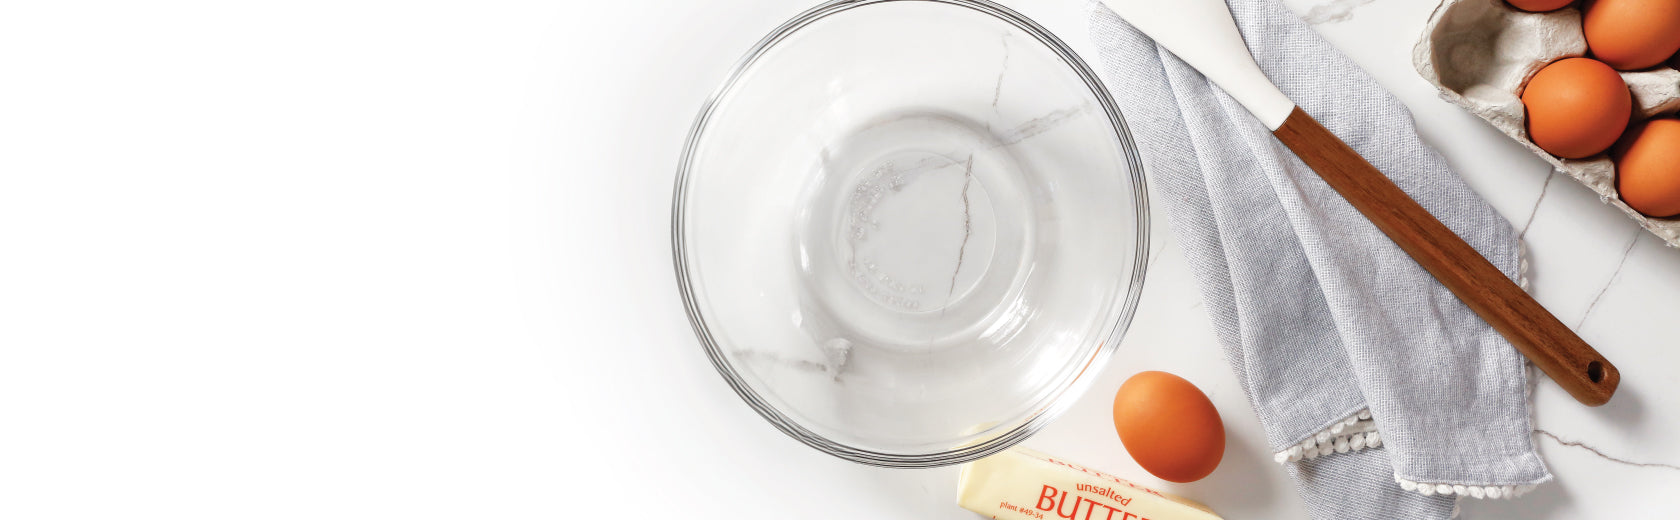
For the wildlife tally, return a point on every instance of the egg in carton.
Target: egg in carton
(1481, 53)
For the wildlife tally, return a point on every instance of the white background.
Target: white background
(359, 259)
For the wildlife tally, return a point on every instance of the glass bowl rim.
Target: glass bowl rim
(1061, 398)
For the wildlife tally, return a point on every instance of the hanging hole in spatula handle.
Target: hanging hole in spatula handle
(1594, 383)
(1587, 376)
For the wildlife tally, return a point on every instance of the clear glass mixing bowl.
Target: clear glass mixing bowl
(910, 232)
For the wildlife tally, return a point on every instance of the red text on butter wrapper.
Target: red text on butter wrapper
(1006, 506)
(1052, 499)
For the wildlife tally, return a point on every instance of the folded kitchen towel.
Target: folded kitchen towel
(1381, 394)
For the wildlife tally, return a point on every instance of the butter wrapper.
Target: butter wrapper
(1021, 484)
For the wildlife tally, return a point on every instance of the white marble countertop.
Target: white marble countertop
(1593, 267)
(384, 259)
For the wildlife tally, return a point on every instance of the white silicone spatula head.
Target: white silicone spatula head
(1202, 33)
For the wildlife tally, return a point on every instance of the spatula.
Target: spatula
(1203, 34)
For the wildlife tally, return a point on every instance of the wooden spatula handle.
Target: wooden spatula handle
(1579, 369)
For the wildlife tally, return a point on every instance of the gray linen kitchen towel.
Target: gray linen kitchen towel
(1380, 392)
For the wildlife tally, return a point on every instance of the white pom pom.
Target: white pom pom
(1323, 437)
(1337, 429)
(1357, 441)
(1408, 485)
(1341, 445)
(1349, 421)
(1364, 414)
(1493, 492)
(1478, 492)
(1310, 443)
(1373, 440)
(1426, 490)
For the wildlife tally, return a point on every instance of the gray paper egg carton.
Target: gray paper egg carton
(1480, 54)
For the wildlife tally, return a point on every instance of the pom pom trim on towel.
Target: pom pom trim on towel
(1429, 489)
(1522, 264)
(1353, 433)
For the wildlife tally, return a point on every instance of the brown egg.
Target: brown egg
(1540, 6)
(1632, 34)
(1648, 168)
(1169, 426)
(1576, 107)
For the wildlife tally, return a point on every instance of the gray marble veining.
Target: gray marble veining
(1615, 275)
(967, 225)
(1333, 11)
(1041, 124)
(1544, 187)
(1003, 70)
(1600, 453)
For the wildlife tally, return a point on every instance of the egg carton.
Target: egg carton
(1481, 53)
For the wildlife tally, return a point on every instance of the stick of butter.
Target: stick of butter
(1021, 484)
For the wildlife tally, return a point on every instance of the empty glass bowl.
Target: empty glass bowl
(909, 232)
